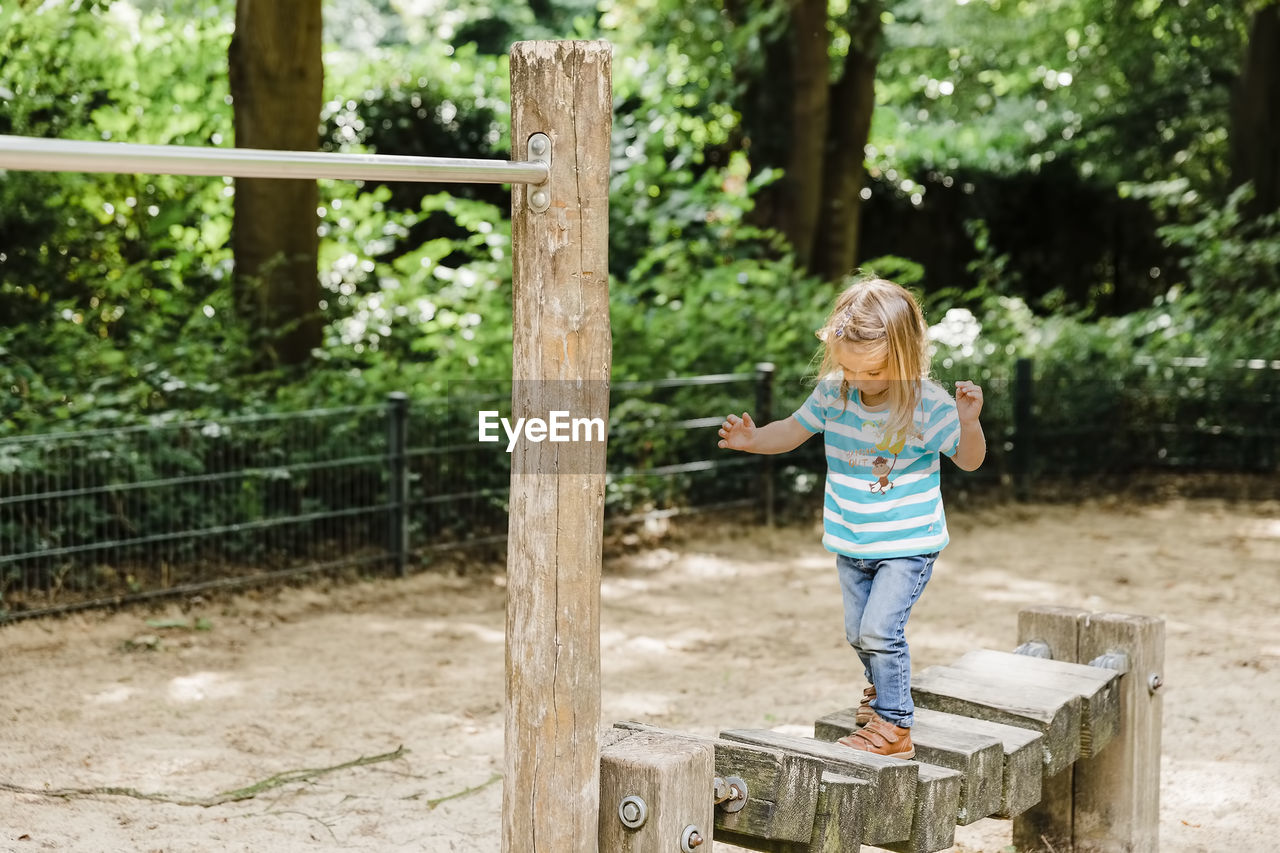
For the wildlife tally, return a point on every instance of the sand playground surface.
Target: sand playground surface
(367, 716)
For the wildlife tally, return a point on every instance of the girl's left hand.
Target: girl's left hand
(968, 401)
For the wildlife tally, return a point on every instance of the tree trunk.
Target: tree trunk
(277, 77)
(1255, 130)
(853, 101)
(810, 112)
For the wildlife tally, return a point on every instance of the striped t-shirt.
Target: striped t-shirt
(883, 495)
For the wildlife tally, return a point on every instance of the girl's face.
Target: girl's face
(866, 369)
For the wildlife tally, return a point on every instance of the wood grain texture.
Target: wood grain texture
(893, 781)
(1117, 793)
(1053, 713)
(979, 758)
(1098, 688)
(674, 779)
(1047, 824)
(783, 791)
(561, 347)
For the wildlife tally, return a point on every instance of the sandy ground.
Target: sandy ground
(715, 627)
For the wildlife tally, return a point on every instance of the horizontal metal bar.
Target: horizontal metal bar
(459, 496)
(70, 155)
(262, 473)
(683, 468)
(682, 381)
(219, 425)
(191, 588)
(68, 550)
(672, 512)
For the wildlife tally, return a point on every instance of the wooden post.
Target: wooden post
(1109, 803)
(1047, 824)
(1117, 793)
(561, 360)
(662, 786)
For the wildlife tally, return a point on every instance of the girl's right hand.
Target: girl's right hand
(737, 433)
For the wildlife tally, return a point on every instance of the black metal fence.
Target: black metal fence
(104, 516)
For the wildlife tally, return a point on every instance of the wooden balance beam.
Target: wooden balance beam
(1063, 738)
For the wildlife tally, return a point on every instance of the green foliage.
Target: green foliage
(115, 296)
(1232, 267)
(108, 276)
(1129, 91)
(114, 289)
(709, 275)
(1191, 377)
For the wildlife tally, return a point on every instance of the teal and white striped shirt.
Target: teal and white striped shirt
(883, 495)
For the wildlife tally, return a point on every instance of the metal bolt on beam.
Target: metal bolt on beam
(539, 194)
(633, 812)
(1035, 649)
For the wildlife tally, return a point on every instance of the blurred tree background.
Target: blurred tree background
(1089, 182)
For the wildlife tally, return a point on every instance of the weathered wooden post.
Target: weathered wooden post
(1110, 801)
(655, 793)
(561, 111)
(1117, 793)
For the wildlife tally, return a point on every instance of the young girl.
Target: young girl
(885, 424)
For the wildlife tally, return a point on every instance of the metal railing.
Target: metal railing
(96, 517)
(71, 155)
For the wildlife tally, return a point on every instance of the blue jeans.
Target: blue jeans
(878, 597)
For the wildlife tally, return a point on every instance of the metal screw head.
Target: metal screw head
(1154, 682)
(537, 145)
(539, 199)
(633, 812)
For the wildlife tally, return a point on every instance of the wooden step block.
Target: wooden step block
(1022, 771)
(988, 696)
(894, 782)
(837, 825)
(933, 820)
(979, 758)
(1098, 689)
(782, 788)
(672, 776)
(842, 811)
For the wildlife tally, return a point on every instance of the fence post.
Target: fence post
(1023, 428)
(561, 111)
(764, 414)
(398, 480)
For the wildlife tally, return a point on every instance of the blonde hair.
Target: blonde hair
(882, 319)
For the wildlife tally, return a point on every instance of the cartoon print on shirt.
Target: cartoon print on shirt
(882, 469)
(880, 466)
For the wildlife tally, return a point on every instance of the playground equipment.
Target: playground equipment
(561, 116)
(1062, 736)
(1068, 747)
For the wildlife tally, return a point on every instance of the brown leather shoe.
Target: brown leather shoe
(864, 714)
(881, 737)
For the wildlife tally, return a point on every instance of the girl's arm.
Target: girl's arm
(741, 433)
(972, 449)
(973, 446)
